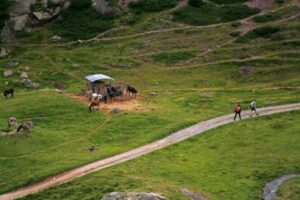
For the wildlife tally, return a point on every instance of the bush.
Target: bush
(279, 1)
(173, 57)
(4, 5)
(264, 18)
(210, 13)
(80, 4)
(228, 1)
(152, 5)
(236, 24)
(235, 33)
(81, 24)
(261, 32)
(196, 3)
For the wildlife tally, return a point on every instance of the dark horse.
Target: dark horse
(114, 92)
(131, 91)
(9, 92)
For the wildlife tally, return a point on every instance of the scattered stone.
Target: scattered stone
(3, 53)
(35, 85)
(8, 73)
(27, 68)
(206, 94)
(153, 93)
(42, 16)
(246, 70)
(115, 111)
(133, 196)
(20, 22)
(80, 41)
(192, 195)
(6, 82)
(59, 85)
(13, 64)
(56, 38)
(156, 83)
(29, 84)
(24, 75)
(75, 65)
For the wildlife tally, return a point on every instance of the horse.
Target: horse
(131, 91)
(9, 92)
(93, 105)
(25, 126)
(11, 121)
(114, 92)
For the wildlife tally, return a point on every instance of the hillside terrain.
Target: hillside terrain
(189, 60)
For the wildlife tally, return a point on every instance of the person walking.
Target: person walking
(253, 107)
(237, 110)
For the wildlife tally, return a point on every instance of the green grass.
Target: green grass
(210, 13)
(289, 190)
(230, 162)
(173, 57)
(189, 88)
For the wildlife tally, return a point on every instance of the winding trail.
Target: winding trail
(114, 160)
(272, 187)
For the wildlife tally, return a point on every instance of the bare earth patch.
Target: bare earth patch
(261, 4)
(130, 104)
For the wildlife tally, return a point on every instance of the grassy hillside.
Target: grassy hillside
(195, 73)
(225, 163)
(289, 190)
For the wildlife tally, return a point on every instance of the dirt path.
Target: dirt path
(272, 187)
(172, 139)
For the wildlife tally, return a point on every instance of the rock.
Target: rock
(27, 68)
(20, 22)
(103, 7)
(246, 70)
(13, 64)
(6, 82)
(74, 65)
(59, 85)
(24, 75)
(29, 84)
(153, 93)
(21, 7)
(8, 34)
(42, 16)
(3, 53)
(115, 111)
(132, 196)
(8, 73)
(56, 38)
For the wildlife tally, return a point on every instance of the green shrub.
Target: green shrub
(196, 3)
(236, 24)
(228, 1)
(51, 4)
(261, 32)
(4, 5)
(264, 18)
(235, 33)
(210, 13)
(82, 23)
(279, 1)
(152, 5)
(80, 4)
(173, 57)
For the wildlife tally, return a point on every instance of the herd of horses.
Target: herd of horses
(12, 121)
(111, 93)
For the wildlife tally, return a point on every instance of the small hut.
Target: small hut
(97, 84)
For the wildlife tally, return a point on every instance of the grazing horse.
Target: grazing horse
(25, 126)
(132, 91)
(11, 121)
(9, 92)
(93, 105)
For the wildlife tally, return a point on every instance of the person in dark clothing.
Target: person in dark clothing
(237, 110)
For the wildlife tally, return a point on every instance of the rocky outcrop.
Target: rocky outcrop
(103, 7)
(24, 15)
(132, 196)
(3, 53)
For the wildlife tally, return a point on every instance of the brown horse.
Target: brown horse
(9, 92)
(93, 105)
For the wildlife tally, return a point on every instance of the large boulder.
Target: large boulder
(3, 53)
(103, 7)
(132, 196)
(19, 22)
(8, 72)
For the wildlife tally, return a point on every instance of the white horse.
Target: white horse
(96, 97)
(11, 121)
